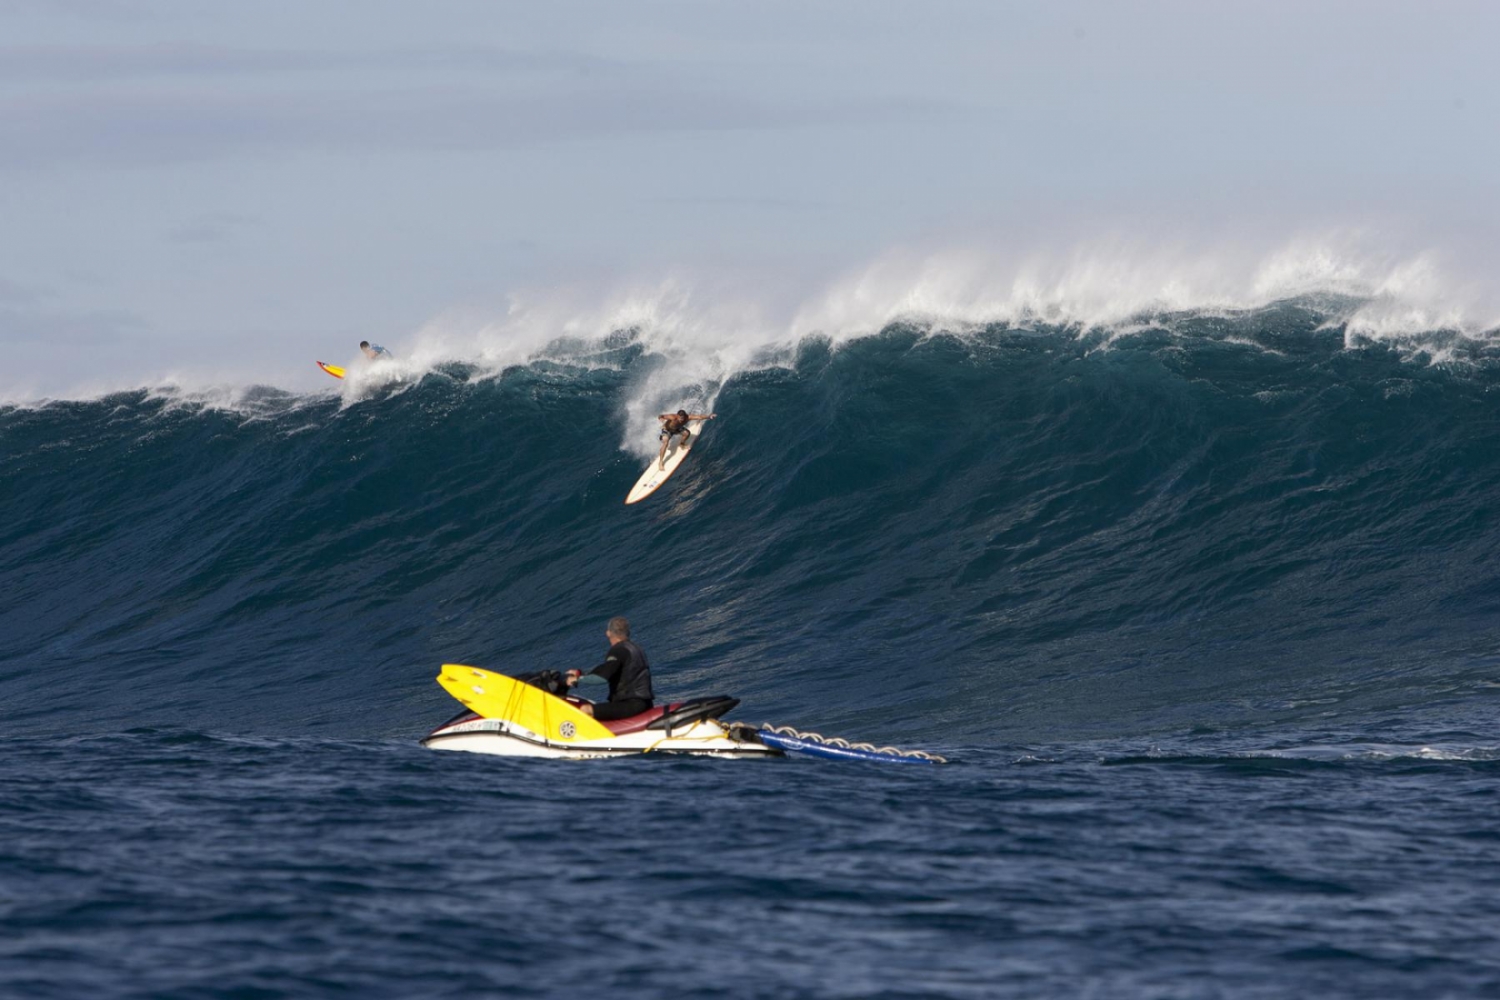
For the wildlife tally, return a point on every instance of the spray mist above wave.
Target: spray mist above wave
(684, 335)
(1375, 292)
(696, 334)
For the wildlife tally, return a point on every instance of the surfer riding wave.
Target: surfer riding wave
(673, 424)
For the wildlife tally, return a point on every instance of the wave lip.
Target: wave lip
(1373, 289)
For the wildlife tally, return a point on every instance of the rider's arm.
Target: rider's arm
(609, 667)
(606, 670)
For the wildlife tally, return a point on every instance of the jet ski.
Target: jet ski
(533, 716)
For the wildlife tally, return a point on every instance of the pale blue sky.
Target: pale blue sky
(232, 189)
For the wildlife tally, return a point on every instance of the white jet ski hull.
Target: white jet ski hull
(502, 738)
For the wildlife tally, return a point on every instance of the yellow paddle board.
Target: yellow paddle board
(496, 696)
(333, 370)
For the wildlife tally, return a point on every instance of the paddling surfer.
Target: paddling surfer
(627, 671)
(673, 424)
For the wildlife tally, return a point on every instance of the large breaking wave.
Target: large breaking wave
(974, 528)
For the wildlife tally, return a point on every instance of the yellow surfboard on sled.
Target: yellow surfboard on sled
(496, 696)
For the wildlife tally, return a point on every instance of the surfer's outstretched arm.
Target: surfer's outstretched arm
(703, 416)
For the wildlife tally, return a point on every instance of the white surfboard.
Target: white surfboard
(659, 472)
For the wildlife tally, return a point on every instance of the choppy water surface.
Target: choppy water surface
(1204, 614)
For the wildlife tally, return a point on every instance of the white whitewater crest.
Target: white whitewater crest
(696, 342)
(698, 330)
(1107, 284)
(699, 334)
(365, 379)
(1387, 751)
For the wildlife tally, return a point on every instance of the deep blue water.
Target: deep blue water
(1205, 616)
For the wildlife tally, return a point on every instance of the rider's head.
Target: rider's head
(364, 343)
(682, 414)
(618, 629)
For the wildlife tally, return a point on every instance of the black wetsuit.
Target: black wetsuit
(629, 677)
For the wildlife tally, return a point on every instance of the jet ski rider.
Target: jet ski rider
(627, 671)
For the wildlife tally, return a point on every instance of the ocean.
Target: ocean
(1203, 609)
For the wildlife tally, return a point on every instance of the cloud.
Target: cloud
(82, 64)
(168, 103)
(71, 329)
(153, 128)
(798, 205)
(216, 227)
(13, 293)
(101, 11)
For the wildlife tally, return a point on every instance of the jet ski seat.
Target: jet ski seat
(672, 716)
(635, 723)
